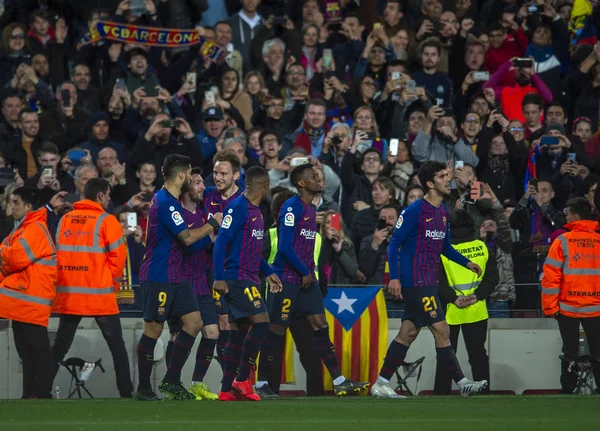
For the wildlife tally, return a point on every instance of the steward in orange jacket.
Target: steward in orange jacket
(91, 257)
(27, 288)
(571, 286)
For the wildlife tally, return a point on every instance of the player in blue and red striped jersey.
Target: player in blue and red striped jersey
(422, 234)
(165, 290)
(226, 175)
(301, 296)
(238, 260)
(195, 269)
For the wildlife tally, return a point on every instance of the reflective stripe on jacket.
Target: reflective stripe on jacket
(465, 282)
(91, 257)
(571, 275)
(28, 271)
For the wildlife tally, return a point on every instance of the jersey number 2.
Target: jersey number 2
(252, 294)
(427, 301)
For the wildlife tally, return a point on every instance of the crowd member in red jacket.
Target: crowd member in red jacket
(504, 45)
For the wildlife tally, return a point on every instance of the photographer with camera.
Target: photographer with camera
(438, 141)
(166, 136)
(468, 194)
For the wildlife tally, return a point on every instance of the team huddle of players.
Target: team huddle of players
(219, 295)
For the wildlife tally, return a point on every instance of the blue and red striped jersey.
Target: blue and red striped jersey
(195, 263)
(213, 202)
(162, 261)
(297, 230)
(238, 249)
(422, 234)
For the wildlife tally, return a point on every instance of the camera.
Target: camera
(170, 124)
(336, 140)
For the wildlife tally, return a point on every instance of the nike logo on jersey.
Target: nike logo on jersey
(306, 218)
(428, 219)
(190, 225)
(214, 203)
(254, 218)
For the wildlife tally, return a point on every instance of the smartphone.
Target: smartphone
(523, 63)
(395, 75)
(459, 164)
(121, 85)
(382, 224)
(147, 197)
(190, 77)
(47, 171)
(7, 176)
(327, 57)
(66, 98)
(534, 183)
(335, 222)
(549, 140)
(279, 21)
(532, 8)
(394, 146)
(132, 221)
(572, 157)
(411, 85)
(76, 155)
(298, 161)
(138, 7)
(72, 198)
(476, 191)
(481, 76)
(209, 96)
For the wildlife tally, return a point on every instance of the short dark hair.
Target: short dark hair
(38, 13)
(428, 171)
(298, 172)
(29, 195)
(557, 104)
(48, 147)
(355, 15)
(228, 156)
(222, 23)
(497, 26)
(256, 174)
(390, 207)
(580, 207)
(409, 189)
(589, 182)
(175, 163)
(266, 133)
(95, 186)
(431, 43)
(26, 111)
(532, 99)
(196, 171)
(316, 102)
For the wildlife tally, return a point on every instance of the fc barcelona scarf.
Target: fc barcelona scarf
(153, 36)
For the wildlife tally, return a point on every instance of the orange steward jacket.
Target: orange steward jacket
(91, 257)
(571, 281)
(28, 271)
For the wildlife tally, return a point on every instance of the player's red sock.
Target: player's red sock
(250, 349)
(169, 352)
(447, 359)
(326, 351)
(221, 342)
(271, 344)
(145, 354)
(204, 355)
(231, 358)
(394, 357)
(181, 350)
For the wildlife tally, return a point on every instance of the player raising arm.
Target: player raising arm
(422, 233)
(165, 289)
(238, 260)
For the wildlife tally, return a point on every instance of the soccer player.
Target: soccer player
(195, 266)
(238, 259)
(226, 176)
(165, 290)
(422, 234)
(301, 296)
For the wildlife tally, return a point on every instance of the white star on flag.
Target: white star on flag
(344, 303)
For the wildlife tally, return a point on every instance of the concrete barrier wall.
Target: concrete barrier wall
(523, 355)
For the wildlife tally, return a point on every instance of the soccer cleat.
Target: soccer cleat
(266, 393)
(382, 390)
(147, 395)
(471, 388)
(244, 391)
(360, 386)
(227, 396)
(176, 391)
(201, 391)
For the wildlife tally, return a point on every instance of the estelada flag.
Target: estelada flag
(358, 327)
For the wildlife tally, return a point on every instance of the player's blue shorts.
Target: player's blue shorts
(162, 301)
(244, 299)
(208, 312)
(294, 302)
(422, 306)
(220, 304)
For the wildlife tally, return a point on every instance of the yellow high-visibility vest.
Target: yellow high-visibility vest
(465, 282)
(273, 236)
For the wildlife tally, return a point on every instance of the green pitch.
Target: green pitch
(425, 413)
